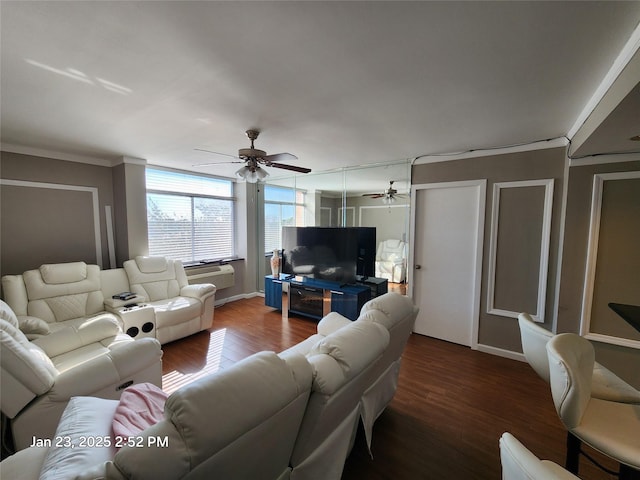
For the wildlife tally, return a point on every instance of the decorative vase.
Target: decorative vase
(275, 264)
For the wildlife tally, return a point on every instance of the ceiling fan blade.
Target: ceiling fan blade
(215, 153)
(215, 163)
(279, 157)
(288, 167)
(373, 195)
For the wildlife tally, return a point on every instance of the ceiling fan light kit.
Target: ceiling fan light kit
(252, 175)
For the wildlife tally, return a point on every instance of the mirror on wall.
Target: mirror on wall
(359, 196)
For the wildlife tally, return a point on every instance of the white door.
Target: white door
(448, 230)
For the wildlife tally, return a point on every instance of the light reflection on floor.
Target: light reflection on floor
(173, 380)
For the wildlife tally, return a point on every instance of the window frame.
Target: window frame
(193, 197)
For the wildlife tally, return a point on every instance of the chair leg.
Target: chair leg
(628, 473)
(573, 453)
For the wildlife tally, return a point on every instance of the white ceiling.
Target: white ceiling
(335, 83)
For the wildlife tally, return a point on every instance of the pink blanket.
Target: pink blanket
(141, 406)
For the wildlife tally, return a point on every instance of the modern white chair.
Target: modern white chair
(612, 428)
(391, 260)
(605, 384)
(518, 463)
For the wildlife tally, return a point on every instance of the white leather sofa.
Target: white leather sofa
(239, 423)
(39, 377)
(342, 363)
(397, 314)
(66, 294)
(353, 374)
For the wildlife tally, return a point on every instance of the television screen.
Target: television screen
(327, 253)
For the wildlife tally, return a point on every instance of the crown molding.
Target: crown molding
(69, 157)
(486, 152)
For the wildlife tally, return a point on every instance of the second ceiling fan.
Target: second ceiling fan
(253, 158)
(390, 195)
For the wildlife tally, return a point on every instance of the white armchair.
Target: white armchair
(180, 309)
(391, 260)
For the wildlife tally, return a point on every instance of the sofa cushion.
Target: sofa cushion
(387, 309)
(63, 272)
(338, 360)
(175, 311)
(84, 439)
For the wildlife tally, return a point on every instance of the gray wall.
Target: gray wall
(494, 330)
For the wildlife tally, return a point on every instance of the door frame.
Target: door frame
(481, 185)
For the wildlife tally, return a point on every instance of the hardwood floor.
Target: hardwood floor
(451, 407)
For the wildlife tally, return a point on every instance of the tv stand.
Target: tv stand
(314, 298)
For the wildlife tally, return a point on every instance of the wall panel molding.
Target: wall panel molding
(544, 225)
(597, 197)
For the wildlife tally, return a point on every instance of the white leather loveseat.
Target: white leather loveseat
(39, 377)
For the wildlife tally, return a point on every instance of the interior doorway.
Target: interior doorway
(446, 263)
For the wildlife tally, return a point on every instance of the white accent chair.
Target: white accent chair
(180, 309)
(241, 422)
(612, 428)
(39, 377)
(391, 260)
(518, 463)
(605, 384)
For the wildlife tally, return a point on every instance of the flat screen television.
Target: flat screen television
(328, 253)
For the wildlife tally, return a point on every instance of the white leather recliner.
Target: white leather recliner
(180, 309)
(39, 377)
(238, 423)
(61, 294)
(391, 260)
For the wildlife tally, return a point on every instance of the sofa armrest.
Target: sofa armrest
(71, 338)
(332, 322)
(201, 291)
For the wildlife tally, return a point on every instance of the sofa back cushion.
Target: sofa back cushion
(64, 291)
(156, 278)
(240, 422)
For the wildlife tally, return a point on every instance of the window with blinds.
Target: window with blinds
(190, 217)
(282, 207)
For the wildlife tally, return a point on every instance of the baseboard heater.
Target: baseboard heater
(222, 276)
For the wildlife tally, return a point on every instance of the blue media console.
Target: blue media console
(315, 298)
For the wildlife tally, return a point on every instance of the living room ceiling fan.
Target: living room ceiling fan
(253, 158)
(390, 195)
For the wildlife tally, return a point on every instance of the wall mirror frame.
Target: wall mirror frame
(350, 196)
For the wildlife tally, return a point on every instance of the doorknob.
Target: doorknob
(418, 267)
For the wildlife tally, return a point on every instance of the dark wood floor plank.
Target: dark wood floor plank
(451, 407)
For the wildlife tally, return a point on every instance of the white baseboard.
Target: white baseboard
(500, 352)
(233, 298)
